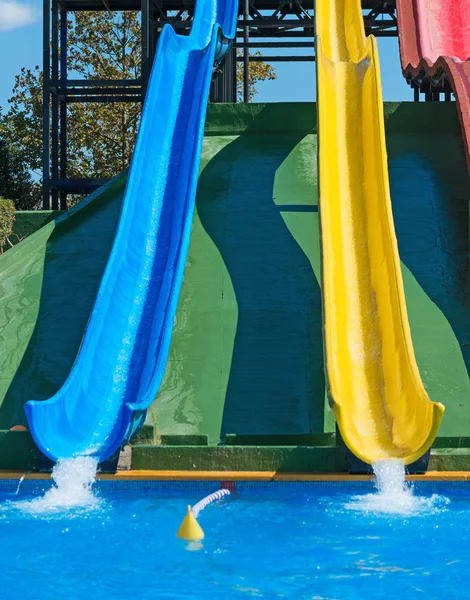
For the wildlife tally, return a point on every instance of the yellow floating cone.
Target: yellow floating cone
(190, 529)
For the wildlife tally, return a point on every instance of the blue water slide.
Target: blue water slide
(122, 359)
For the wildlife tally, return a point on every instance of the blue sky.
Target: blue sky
(21, 46)
(20, 41)
(296, 81)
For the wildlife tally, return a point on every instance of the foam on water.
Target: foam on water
(394, 495)
(74, 478)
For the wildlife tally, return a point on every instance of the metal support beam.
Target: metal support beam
(80, 186)
(104, 99)
(381, 7)
(85, 83)
(224, 84)
(98, 91)
(63, 105)
(55, 105)
(246, 53)
(46, 104)
(262, 24)
(146, 41)
(280, 58)
(278, 44)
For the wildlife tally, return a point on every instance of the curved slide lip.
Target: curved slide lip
(380, 404)
(435, 43)
(123, 355)
(408, 457)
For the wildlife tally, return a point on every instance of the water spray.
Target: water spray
(394, 495)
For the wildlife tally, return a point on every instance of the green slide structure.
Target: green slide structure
(244, 386)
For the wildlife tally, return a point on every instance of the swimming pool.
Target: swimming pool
(276, 540)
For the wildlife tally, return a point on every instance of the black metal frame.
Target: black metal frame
(262, 24)
(434, 90)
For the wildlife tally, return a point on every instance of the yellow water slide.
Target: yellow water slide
(381, 406)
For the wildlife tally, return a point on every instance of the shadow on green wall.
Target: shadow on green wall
(430, 191)
(75, 258)
(276, 382)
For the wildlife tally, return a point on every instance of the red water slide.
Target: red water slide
(435, 44)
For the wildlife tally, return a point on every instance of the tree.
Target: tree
(258, 71)
(15, 181)
(7, 218)
(103, 46)
(101, 137)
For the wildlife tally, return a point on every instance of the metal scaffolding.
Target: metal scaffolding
(434, 90)
(262, 24)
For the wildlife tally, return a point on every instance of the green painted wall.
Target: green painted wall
(289, 459)
(246, 356)
(48, 284)
(430, 193)
(226, 364)
(29, 221)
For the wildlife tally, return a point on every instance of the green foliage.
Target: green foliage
(21, 126)
(101, 136)
(257, 71)
(7, 218)
(15, 180)
(104, 45)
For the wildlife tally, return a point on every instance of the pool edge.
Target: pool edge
(222, 476)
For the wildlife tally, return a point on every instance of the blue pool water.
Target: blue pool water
(274, 541)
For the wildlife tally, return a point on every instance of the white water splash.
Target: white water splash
(394, 495)
(19, 484)
(74, 478)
